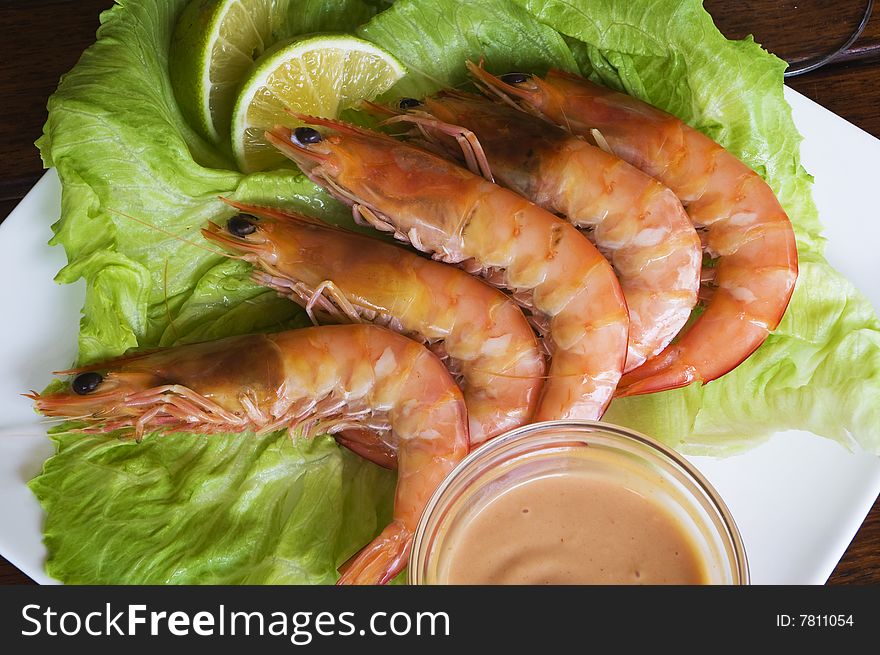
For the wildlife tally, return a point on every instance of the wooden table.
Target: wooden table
(42, 39)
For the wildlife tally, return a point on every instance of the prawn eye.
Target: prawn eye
(306, 135)
(515, 78)
(241, 225)
(86, 383)
(408, 103)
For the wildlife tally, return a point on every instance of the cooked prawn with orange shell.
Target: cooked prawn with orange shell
(745, 226)
(315, 380)
(634, 220)
(346, 277)
(461, 217)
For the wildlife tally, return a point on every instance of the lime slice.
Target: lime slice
(320, 75)
(214, 46)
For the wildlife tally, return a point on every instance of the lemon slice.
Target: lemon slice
(320, 75)
(214, 47)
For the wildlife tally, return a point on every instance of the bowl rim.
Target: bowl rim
(585, 427)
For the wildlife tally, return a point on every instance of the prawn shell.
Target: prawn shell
(459, 217)
(745, 226)
(637, 223)
(315, 380)
(348, 277)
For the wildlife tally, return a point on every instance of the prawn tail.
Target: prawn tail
(381, 559)
(661, 373)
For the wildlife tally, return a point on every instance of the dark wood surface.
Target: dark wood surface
(42, 39)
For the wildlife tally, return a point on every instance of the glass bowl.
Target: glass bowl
(601, 451)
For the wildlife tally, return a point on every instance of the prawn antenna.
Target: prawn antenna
(436, 80)
(176, 237)
(167, 306)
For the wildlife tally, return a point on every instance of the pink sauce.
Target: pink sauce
(573, 529)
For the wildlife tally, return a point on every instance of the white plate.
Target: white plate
(798, 499)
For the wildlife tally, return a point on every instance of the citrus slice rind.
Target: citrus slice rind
(214, 47)
(319, 75)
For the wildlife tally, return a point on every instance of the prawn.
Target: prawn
(485, 338)
(635, 221)
(317, 380)
(460, 217)
(744, 225)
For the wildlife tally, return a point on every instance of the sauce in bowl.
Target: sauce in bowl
(576, 502)
(573, 529)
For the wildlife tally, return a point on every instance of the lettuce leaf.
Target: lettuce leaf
(138, 183)
(434, 39)
(671, 55)
(306, 16)
(223, 509)
(818, 371)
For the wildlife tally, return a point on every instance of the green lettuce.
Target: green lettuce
(221, 509)
(819, 370)
(307, 16)
(434, 39)
(138, 183)
(671, 55)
